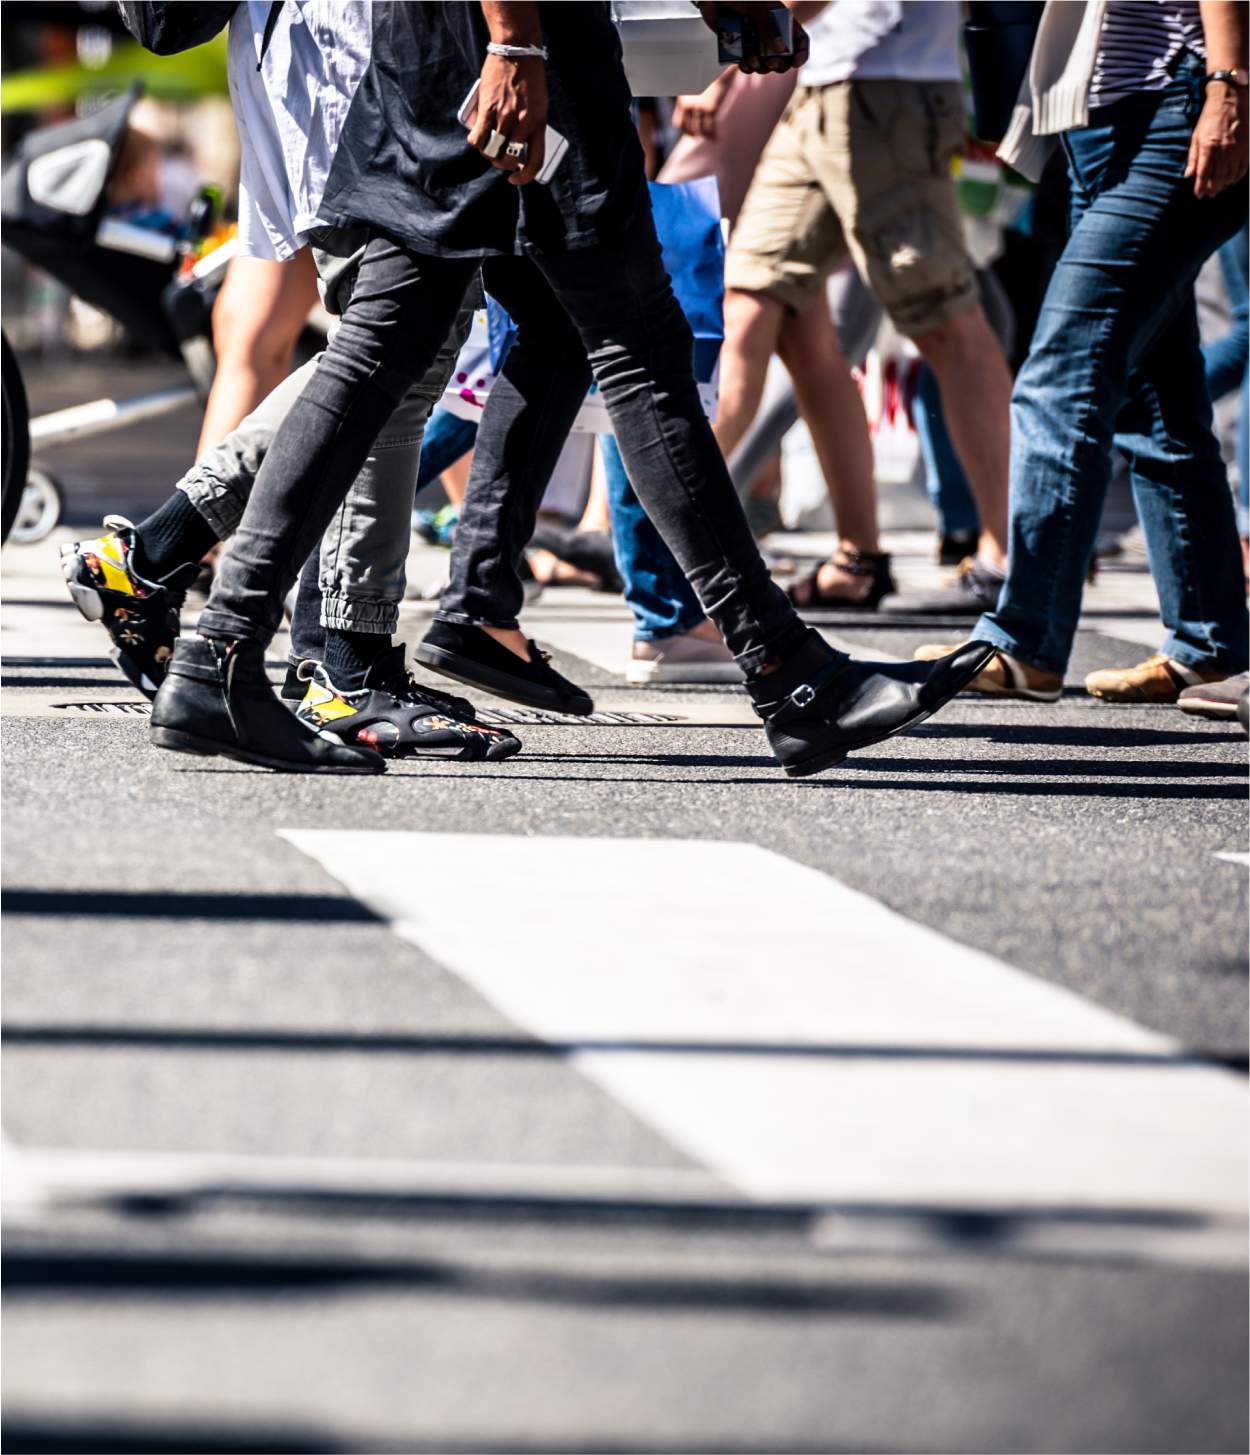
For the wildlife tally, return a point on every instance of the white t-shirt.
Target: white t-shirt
(291, 112)
(902, 40)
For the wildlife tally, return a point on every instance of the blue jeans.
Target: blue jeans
(656, 589)
(1116, 360)
(448, 438)
(945, 480)
(1226, 361)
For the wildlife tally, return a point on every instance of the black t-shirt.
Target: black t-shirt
(403, 163)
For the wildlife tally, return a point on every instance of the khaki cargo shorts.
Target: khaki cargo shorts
(861, 169)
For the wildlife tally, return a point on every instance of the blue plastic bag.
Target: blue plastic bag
(688, 222)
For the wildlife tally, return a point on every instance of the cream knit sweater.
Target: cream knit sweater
(1054, 95)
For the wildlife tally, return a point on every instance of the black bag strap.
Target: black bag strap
(271, 24)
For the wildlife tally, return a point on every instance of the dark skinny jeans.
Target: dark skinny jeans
(608, 309)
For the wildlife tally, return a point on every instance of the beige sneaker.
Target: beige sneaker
(1157, 679)
(1004, 676)
(686, 658)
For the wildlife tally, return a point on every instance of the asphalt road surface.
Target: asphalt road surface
(625, 1096)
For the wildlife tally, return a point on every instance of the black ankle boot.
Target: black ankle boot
(819, 705)
(216, 700)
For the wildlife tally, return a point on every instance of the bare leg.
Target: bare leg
(753, 323)
(832, 408)
(455, 478)
(256, 323)
(976, 401)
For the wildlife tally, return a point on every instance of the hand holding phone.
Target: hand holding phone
(550, 143)
(757, 36)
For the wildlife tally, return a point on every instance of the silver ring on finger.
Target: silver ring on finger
(517, 150)
(495, 143)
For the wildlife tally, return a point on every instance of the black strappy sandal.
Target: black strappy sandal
(806, 593)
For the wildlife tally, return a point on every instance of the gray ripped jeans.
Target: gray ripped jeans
(361, 574)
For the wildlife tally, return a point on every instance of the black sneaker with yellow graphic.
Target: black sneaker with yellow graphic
(398, 718)
(140, 616)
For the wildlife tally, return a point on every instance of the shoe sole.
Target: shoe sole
(177, 741)
(819, 762)
(453, 665)
(1018, 694)
(1196, 707)
(1130, 701)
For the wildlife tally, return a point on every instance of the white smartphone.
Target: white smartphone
(555, 149)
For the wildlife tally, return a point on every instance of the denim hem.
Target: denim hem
(1190, 656)
(351, 614)
(647, 634)
(461, 618)
(988, 631)
(215, 501)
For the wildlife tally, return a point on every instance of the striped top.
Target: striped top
(1138, 44)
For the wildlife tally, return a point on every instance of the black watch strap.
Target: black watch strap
(1232, 78)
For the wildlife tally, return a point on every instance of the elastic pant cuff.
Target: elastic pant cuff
(216, 501)
(359, 614)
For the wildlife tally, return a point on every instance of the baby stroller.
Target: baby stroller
(53, 205)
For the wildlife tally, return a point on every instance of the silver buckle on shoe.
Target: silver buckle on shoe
(803, 695)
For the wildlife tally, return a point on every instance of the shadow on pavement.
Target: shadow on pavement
(176, 904)
(387, 1043)
(78, 1271)
(39, 1434)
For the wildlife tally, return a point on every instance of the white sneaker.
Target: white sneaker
(686, 658)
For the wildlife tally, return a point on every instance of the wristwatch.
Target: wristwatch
(1232, 78)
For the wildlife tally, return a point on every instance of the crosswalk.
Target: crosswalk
(801, 1040)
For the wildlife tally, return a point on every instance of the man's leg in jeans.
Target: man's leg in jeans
(639, 344)
(1183, 501)
(401, 310)
(216, 698)
(532, 405)
(817, 704)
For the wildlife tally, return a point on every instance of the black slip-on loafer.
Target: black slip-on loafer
(470, 655)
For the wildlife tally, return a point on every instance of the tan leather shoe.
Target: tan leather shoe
(1158, 679)
(1004, 676)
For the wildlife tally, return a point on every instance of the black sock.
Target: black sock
(175, 535)
(293, 685)
(349, 655)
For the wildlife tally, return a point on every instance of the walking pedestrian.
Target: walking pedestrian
(1150, 105)
(593, 281)
(860, 167)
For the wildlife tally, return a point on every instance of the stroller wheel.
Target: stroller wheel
(39, 509)
(14, 438)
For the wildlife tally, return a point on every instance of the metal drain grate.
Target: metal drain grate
(494, 716)
(94, 709)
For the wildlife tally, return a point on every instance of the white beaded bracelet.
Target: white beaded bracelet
(516, 52)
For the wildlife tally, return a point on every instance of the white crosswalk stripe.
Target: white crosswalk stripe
(799, 1038)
